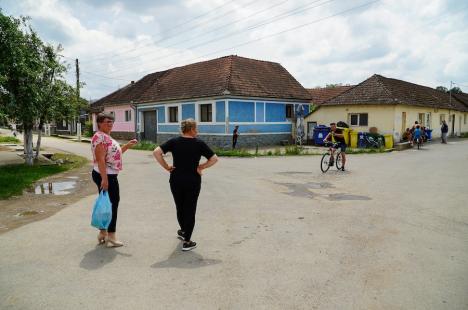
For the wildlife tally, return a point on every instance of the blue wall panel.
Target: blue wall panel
(169, 128)
(211, 128)
(220, 111)
(161, 114)
(262, 128)
(241, 111)
(188, 111)
(275, 112)
(260, 107)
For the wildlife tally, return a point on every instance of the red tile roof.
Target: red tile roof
(229, 75)
(381, 90)
(320, 95)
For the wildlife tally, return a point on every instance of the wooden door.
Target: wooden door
(150, 125)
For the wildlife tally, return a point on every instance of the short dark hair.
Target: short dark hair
(331, 124)
(102, 116)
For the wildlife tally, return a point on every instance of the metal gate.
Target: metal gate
(150, 125)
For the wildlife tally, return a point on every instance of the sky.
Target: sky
(318, 41)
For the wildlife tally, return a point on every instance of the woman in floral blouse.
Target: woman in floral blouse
(107, 155)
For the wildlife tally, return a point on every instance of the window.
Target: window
(206, 114)
(421, 119)
(112, 113)
(289, 111)
(173, 114)
(128, 116)
(442, 118)
(360, 119)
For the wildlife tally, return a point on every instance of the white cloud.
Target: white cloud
(419, 41)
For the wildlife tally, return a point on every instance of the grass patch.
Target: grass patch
(145, 146)
(15, 178)
(5, 139)
(464, 135)
(233, 153)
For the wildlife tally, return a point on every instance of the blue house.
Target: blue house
(260, 97)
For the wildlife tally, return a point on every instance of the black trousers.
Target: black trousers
(234, 141)
(114, 195)
(186, 198)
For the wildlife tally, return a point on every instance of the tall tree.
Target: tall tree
(442, 89)
(456, 90)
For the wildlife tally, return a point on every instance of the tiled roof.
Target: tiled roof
(463, 98)
(320, 95)
(381, 90)
(229, 75)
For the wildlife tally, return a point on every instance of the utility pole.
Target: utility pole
(77, 68)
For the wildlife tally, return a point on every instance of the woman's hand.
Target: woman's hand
(170, 168)
(132, 143)
(105, 184)
(200, 169)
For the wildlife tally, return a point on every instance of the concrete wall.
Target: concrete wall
(225, 141)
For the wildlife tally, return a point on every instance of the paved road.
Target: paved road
(273, 233)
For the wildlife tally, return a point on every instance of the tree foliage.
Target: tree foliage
(442, 89)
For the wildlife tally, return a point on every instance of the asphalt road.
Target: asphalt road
(273, 233)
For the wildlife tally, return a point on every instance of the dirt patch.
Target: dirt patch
(33, 205)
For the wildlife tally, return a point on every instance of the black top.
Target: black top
(186, 153)
(337, 139)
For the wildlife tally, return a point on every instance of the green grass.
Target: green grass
(15, 178)
(464, 135)
(5, 139)
(233, 153)
(145, 146)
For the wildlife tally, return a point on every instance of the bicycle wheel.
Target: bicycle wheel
(419, 144)
(325, 162)
(339, 161)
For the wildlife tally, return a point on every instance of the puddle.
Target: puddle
(339, 197)
(54, 188)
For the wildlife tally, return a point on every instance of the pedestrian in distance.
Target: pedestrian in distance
(185, 175)
(444, 131)
(107, 155)
(235, 135)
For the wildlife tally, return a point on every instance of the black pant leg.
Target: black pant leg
(178, 196)
(114, 196)
(189, 207)
(234, 142)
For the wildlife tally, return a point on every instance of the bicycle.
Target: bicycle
(419, 142)
(325, 162)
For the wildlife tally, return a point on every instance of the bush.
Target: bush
(145, 146)
(293, 150)
(233, 153)
(88, 130)
(5, 139)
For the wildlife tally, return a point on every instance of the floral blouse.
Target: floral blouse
(113, 154)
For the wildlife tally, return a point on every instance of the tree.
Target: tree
(442, 89)
(456, 90)
(333, 85)
(31, 79)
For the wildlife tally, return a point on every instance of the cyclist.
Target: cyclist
(417, 134)
(337, 138)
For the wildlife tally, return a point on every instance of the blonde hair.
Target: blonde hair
(187, 125)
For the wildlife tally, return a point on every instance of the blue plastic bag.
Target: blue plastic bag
(102, 211)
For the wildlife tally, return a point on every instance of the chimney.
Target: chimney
(132, 82)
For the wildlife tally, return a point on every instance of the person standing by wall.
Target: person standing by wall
(235, 135)
(444, 131)
(185, 179)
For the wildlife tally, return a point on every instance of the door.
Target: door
(403, 122)
(459, 125)
(453, 125)
(310, 131)
(150, 125)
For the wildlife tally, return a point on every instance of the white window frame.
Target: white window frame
(169, 114)
(129, 114)
(213, 112)
(358, 119)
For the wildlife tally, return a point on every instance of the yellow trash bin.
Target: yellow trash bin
(345, 134)
(388, 141)
(353, 138)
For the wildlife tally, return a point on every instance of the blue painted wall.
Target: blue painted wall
(211, 128)
(260, 107)
(169, 128)
(241, 111)
(161, 114)
(220, 111)
(275, 112)
(188, 111)
(262, 128)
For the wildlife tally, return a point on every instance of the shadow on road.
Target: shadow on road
(100, 256)
(189, 259)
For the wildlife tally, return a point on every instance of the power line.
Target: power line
(269, 36)
(168, 37)
(258, 25)
(176, 26)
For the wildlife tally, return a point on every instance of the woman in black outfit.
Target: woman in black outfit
(185, 179)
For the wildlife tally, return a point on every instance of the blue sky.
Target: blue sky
(318, 41)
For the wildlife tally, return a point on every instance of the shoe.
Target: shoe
(101, 238)
(342, 169)
(113, 243)
(331, 163)
(180, 235)
(190, 245)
